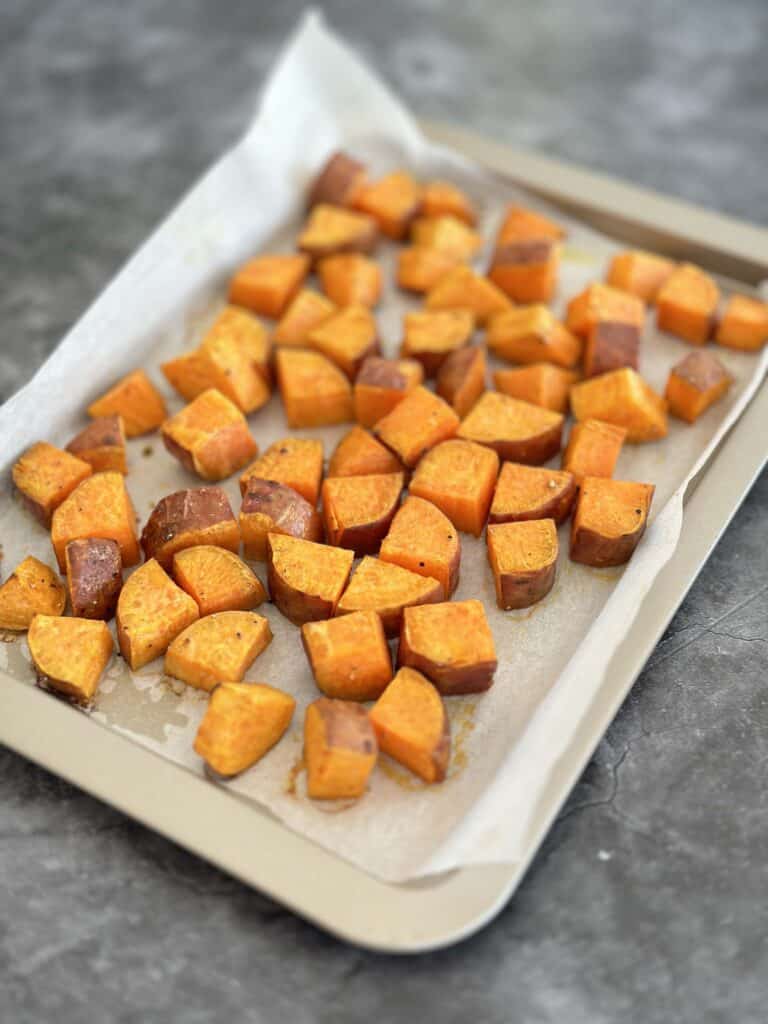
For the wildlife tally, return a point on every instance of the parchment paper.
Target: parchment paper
(552, 657)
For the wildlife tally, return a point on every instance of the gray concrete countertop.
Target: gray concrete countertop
(647, 901)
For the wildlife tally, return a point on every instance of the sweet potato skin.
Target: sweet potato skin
(441, 659)
(272, 507)
(102, 445)
(94, 577)
(340, 749)
(611, 345)
(694, 384)
(518, 585)
(338, 180)
(32, 588)
(187, 518)
(461, 378)
(291, 595)
(98, 507)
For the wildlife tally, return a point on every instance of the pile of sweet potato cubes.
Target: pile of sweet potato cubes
(471, 459)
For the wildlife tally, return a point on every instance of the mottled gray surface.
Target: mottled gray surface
(647, 902)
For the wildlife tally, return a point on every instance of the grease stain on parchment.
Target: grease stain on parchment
(461, 712)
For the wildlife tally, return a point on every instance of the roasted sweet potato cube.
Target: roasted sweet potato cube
(450, 643)
(94, 577)
(462, 288)
(686, 304)
(358, 453)
(696, 382)
(419, 268)
(423, 540)
(340, 749)
(186, 519)
(306, 580)
(217, 580)
(639, 273)
(381, 384)
(242, 722)
(448, 234)
(307, 310)
(744, 324)
(461, 378)
(98, 507)
(349, 656)
(294, 461)
(599, 302)
(526, 269)
(151, 612)
(44, 476)
(347, 338)
(338, 181)
(431, 336)
(393, 201)
(623, 398)
(520, 222)
(387, 588)
(459, 477)
(441, 198)
(412, 726)
(102, 445)
(331, 229)
(315, 392)
(540, 384)
(188, 374)
(609, 346)
(523, 557)
(219, 648)
(532, 334)
(518, 431)
(210, 436)
(267, 284)
(417, 424)
(272, 507)
(351, 280)
(530, 492)
(137, 400)
(31, 589)
(358, 510)
(593, 449)
(609, 520)
(69, 655)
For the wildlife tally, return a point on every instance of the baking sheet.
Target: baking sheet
(506, 742)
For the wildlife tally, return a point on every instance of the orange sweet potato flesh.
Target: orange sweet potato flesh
(340, 749)
(695, 383)
(417, 424)
(315, 392)
(186, 519)
(99, 507)
(462, 288)
(526, 269)
(33, 588)
(431, 336)
(188, 374)
(307, 310)
(219, 648)
(210, 436)
(458, 477)
(610, 519)
(242, 723)
(623, 398)
(448, 234)
(523, 557)
(520, 222)
(217, 580)
(599, 302)
(349, 656)
(593, 449)
(609, 346)
(540, 384)
(381, 384)
(331, 229)
(387, 589)
(419, 269)
(518, 431)
(102, 445)
(267, 284)
(744, 324)
(358, 510)
(531, 492)
(234, 359)
(393, 202)
(451, 644)
(306, 580)
(358, 453)
(69, 655)
(294, 461)
(44, 476)
(423, 540)
(686, 305)
(338, 180)
(347, 338)
(412, 726)
(461, 378)
(351, 280)
(441, 198)
(137, 400)
(639, 273)
(531, 334)
(271, 507)
(151, 612)
(94, 577)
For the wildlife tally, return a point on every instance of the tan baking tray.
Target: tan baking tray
(260, 851)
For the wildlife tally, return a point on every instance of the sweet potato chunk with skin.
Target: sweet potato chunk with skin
(381, 384)
(696, 382)
(424, 540)
(308, 310)
(217, 580)
(462, 288)
(347, 338)
(242, 722)
(266, 284)
(315, 392)
(518, 431)
(94, 577)
(450, 643)
(412, 726)
(296, 462)
(526, 269)
(417, 424)
(69, 655)
(45, 476)
(609, 346)
(532, 334)
(540, 384)
(358, 453)
(331, 229)
(358, 510)
(523, 557)
(599, 302)
(137, 400)
(431, 337)
(98, 507)
(520, 222)
(102, 445)
(639, 273)
(271, 507)
(210, 436)
(351, 280)
(593, 449)
(218, 648)
(441, 198)
(419, 268)
(686, 305)
(151, 612)
(32, 589)
(349, 656)
(461, 378)
(340, 749)
(610, 519)
(530, 492)
(386, 588)
(448, 234)
(393, 201)
(744, 324)
(459, 477)
(339, 181)
(186, 519)
(306, 580)
(623, 398)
